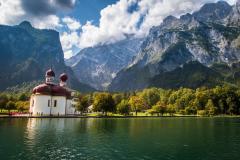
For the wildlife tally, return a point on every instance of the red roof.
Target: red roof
(52, 90)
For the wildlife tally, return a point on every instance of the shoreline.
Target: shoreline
(121, 117)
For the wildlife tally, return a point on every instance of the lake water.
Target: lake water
(132, 139)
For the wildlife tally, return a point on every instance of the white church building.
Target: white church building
(52, 99)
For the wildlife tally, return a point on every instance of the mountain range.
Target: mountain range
(97, 66)
(26, 53)
(193, 50)
(187, 51)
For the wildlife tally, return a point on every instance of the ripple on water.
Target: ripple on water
(128, 139)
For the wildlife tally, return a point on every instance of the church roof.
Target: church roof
(52, 90)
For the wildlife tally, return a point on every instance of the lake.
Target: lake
(132, 138)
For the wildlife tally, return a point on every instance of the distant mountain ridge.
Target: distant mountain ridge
(198, 49)
(208, 36)
(97, 66)
(26, 53)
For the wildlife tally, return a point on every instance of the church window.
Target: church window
(55, 103)
(48, 103)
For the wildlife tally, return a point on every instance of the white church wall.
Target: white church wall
(44, 105)
(40, 105)
(70, 107)
(59, 109)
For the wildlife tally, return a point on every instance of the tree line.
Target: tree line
(155, 101)
(152, 101)
(12, 102)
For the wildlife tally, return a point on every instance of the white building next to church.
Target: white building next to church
(52, 99)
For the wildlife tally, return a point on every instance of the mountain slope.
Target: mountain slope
(204, 36)
(190, 75)
(97, 66)
(26, 53)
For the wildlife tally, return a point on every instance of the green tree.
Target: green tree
(159, 108)
(171, 109)
(137, 104)
(10, 106)
(83, 103)
(22, 105)
(3, 101)
(117, 98)
(103, 102)
(210, 108)
(123, 107)
(151, 96)
(23, 97)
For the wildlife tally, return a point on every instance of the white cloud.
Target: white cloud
(71, 23)
(116, 20)
(69, 40)
(68, 54)
(12, 13)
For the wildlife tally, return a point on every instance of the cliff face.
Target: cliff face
(26, 53)
(208, 36)
(97, 66)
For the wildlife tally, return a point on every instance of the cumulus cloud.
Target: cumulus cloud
(46, 7)
(71, 23)
(13, 9)
(117, 21)
(69, 41)
(134, 17)
(41, 13)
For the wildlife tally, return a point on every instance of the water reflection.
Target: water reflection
(153, 138)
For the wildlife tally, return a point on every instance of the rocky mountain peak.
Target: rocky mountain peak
(213, 12)
(25, 24)
(169, 19)
(203, 37)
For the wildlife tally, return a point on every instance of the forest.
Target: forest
(220, 100)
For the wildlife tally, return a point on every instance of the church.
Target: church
(50, 98)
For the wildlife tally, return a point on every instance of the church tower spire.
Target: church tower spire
(50, 75)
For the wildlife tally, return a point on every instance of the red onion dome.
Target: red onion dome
(50, 73)
(63, 77)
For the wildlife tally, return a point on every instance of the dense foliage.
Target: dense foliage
(153, 101)
(12, 102)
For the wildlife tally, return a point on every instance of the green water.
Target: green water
(133, 139)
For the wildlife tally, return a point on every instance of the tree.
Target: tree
(103, 102)
(10, 106)
(123, 107)
(159, 108)
(23, 97)
(210, 108)
(22, 105)
(3, 101)
(137, 104)
(117, 98)
(83, 103)
(171, 109)
(151, 96)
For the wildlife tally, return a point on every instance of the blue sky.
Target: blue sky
(86, 10)
(87, 23)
